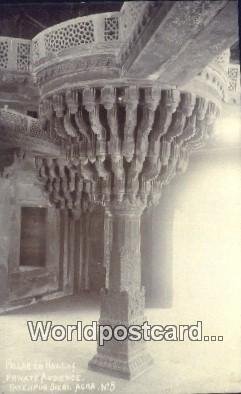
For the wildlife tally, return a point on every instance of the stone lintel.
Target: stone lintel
(182, 40)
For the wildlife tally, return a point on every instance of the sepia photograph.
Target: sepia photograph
(120, 197)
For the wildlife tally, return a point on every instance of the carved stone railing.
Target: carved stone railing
(234, 83)
(86, 33)
(15, 54)
(106, 30)
(98, 42)
(214, 77)
(21, 131)
(219, 81)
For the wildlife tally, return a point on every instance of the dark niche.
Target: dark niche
(33, 237)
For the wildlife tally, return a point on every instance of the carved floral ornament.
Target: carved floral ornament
(122, 144)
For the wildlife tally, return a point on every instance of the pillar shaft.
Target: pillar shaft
(5, 229)
(123, 302)
(125, 251)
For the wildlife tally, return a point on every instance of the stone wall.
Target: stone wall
(74, 249)
(21, 284)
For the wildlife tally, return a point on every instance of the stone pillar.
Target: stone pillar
(6, 195)
(123, 302)
(79, 255)
(133, 142)
(85, 271)
(64, 257)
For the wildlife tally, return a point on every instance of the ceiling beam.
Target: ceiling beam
(181, 38)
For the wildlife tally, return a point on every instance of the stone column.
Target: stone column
(6, 195)
(123, 302)
(133, 142)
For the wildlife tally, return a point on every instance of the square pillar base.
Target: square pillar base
(126, 369)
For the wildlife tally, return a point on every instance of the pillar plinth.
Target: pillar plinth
(123, 302)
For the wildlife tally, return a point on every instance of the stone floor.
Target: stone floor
(179, 367)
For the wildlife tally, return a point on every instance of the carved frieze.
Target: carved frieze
(87, 63)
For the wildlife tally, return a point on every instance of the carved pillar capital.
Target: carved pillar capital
(124, 143)
(125, 207)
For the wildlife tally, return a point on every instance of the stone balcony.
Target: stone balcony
(15, 54)
(17, 89)
(100, 33)
(21, 132)
(219, 80)
(94, 50)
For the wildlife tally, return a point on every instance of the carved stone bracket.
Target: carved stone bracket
(121, 144)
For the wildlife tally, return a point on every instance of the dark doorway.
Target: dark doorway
(33, 236)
